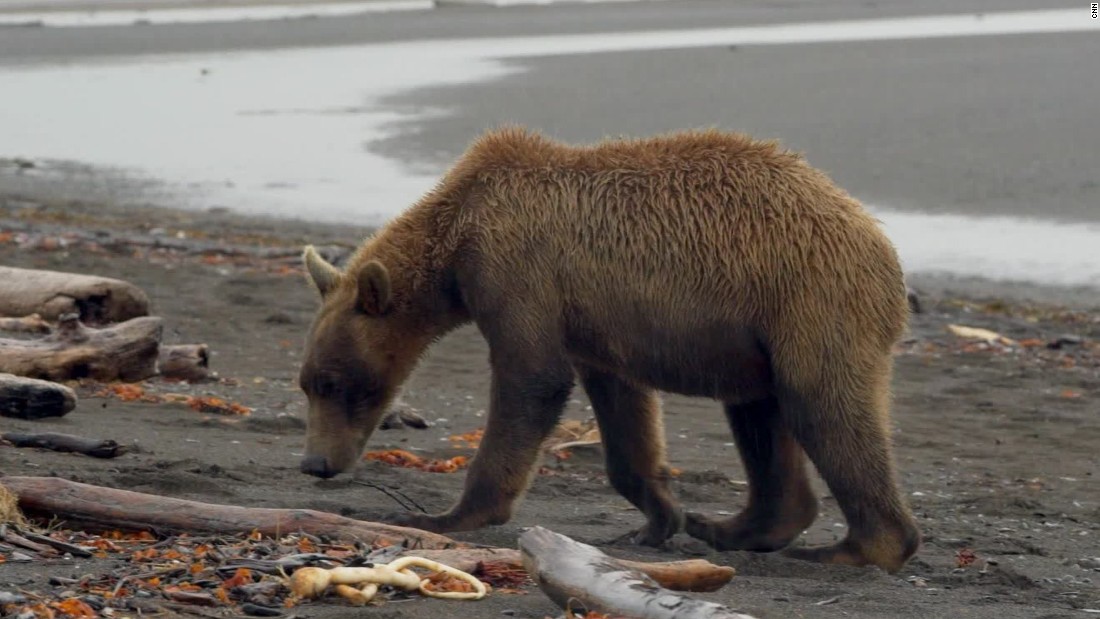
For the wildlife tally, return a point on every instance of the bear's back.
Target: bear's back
(710, 209)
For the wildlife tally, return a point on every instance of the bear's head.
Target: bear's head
(357, 355)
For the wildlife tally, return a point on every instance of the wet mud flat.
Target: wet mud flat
(996, 438)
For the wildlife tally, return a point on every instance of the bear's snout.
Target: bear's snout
(317, 466)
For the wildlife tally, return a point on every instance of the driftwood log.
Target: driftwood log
(25, 324)
(567, 570)
(190, 362)
(30, 398)
(56, 441)
(126, 351)
(108, 508)
(98, 300)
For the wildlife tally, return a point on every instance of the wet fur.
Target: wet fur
(701, 263)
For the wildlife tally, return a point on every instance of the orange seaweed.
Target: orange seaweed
(444, 582)
(404, 459)
(211, 404)
(471, 439)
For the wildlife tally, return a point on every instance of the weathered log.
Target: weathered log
(56, 441)
(30, 398)
(97, 300)
(108, 508)
(126, 351)
(569, 570)
(190, 362)
(27, 324)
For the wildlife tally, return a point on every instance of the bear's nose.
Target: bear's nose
(316, 466)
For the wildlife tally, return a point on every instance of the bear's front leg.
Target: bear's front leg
(524, 408)
(634, 446)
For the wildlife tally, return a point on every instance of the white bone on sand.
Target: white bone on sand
(359, 584)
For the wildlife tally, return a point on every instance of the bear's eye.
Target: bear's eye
(326, 387)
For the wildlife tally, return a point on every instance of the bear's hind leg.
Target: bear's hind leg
(634, 447)
(781, 503)
(844, 429)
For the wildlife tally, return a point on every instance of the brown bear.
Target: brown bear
(701, 263)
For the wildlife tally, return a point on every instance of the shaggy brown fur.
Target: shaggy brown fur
(701, 263)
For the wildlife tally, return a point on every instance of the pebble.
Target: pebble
(7, 597)
(96, 602)
(1064, 340)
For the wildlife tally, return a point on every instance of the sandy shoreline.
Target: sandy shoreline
(996, 444)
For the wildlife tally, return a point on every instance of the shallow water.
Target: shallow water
(43, 15)
(999, 248)
(286, 132)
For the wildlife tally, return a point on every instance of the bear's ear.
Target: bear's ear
(324, 275)
(375, 295)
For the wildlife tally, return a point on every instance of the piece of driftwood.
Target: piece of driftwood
(9, 535)
(56, 441)
(98, 300)
(30, 398)
(190, 362)
(567, 570)
(25, 324)
(56, 544)
(108, 508)
(126, 351)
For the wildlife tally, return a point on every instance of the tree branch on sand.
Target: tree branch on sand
(56, 441)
